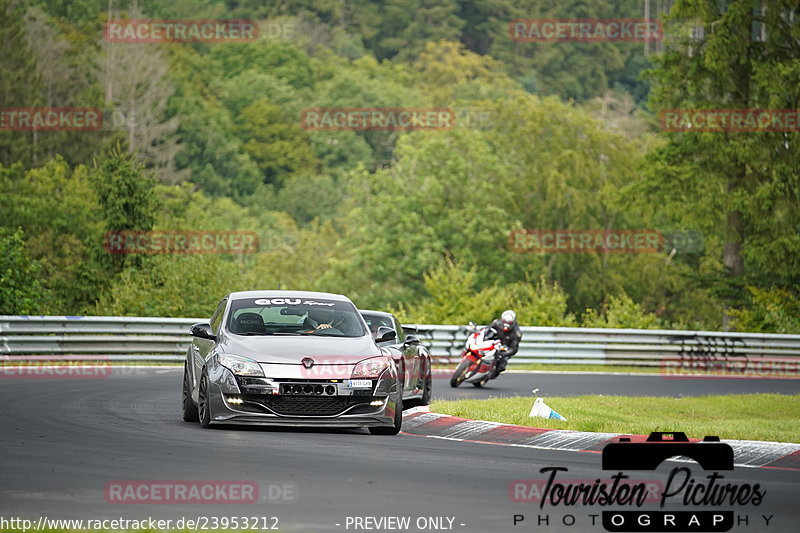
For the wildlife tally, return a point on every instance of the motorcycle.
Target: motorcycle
(479, 358)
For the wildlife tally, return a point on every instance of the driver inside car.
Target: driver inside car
(318, 319)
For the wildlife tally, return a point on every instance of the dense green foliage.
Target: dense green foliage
(562, 135)
(20, 289)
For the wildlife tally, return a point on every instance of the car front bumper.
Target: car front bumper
(294, 402)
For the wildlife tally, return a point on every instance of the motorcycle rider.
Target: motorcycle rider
(509, 334)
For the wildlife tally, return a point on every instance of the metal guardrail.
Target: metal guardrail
(166, 339)
(115, 338)
(662, 350)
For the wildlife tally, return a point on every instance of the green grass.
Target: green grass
(584, 368)
(88, 362)
(769, 417)
(754, 370)
(569, 368)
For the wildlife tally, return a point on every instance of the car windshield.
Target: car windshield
(376, 321)
(294, 316)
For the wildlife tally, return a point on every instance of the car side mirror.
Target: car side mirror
(202, 330)
(412, 339)
(385, 334)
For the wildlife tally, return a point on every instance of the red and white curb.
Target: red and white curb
(421, 422)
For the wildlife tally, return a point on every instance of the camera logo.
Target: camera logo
(711, 454)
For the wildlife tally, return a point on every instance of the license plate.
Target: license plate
(360, 383)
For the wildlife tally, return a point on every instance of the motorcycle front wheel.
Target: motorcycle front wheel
(460, 373)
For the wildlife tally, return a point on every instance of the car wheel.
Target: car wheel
(427, 387)
(398, 417)
(187, 404)
(203, 405)
(460, 373)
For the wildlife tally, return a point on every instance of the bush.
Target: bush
(170, 286)
(621, 312)
(773, 310)
(20, 290)
(453, 299)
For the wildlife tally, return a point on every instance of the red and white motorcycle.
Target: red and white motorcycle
(479, 358)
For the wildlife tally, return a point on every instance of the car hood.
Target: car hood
(290, 350)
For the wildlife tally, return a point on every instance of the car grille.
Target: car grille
(310, 405)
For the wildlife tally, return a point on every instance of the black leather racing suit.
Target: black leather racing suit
(509, 338)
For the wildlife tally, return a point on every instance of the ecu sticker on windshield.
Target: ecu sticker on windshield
(291, 301)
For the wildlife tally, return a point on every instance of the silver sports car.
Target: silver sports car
(291, 358)
(413, 360)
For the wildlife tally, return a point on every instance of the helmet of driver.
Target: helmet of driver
(508, 318)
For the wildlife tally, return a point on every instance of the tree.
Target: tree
(434, 202)
(742, 187)
(459, 193)
(571, 70)
(212, 153)
(621, 312)
(58, 209)
(21, 292)
(171, 286)
(45, 65)
(135, 78)
(277, 144)
(363, 83)
(448, 71)
(453, 298)
(282, 60)
(775, 310)
(405, 26)
(125, 192)
(20, 84)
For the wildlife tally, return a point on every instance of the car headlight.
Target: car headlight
(371, 368)
(241, 366)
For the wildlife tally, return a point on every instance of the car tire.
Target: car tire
(398, 417)
(427, 387)
(459, 374)
(203, 405)
(188, 407)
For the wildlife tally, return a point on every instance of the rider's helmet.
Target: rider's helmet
(507, 319)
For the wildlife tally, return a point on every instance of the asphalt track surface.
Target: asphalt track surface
(572, 384)
(63, 440)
